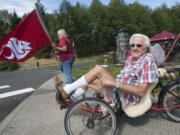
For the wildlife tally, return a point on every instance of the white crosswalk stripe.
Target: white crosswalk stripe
(17, 92)
(4, 86)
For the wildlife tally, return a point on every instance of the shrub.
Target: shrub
(8, 66)
(44, 53)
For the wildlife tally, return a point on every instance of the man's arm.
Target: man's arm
(139, 90)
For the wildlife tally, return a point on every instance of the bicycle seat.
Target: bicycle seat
(143, 106)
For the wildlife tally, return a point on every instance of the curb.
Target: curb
(4, 124)
(9, 118)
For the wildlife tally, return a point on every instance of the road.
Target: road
(18, 85)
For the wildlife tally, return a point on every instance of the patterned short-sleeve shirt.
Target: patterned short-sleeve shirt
(136, 72)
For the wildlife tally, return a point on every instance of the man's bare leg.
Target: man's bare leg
(102, 74)
(98, 72)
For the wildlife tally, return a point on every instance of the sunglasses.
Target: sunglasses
(137, 45)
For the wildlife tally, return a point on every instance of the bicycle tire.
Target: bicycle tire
(167, 99)
(80, 122)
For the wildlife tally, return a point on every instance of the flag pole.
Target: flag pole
(177, 38)
(42, 23)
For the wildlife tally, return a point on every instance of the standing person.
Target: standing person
(132, 82)
(66, 54)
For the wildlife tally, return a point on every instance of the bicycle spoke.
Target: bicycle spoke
(171, 99)
(90, 121)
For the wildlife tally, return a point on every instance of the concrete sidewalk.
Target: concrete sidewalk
(39, 115)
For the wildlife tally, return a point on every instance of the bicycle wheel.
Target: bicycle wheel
(81, 119)
(171, 98)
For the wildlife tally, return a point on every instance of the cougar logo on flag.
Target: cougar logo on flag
(19, 49)
(29, 37)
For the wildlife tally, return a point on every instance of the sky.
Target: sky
(25, 6)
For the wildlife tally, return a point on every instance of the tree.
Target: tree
(64, 17)
(116, 14)
(14, 20)
(45, 52)
(52, 27)
(162, 19)
(81, 30)
(4, 23)
(117, 18)
(175, 16)
(140, 20)
(97, 13)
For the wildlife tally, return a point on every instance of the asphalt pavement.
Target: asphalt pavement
(39, 115)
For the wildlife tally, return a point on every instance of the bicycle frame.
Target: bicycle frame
(83, 107)
(166, 86)
(86, 108)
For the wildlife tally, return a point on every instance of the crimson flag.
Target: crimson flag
(25, 40)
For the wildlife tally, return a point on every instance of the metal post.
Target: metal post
(171, 48)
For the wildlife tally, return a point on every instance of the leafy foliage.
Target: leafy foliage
(93, 29)
(8, 66)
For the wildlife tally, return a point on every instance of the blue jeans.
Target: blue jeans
(67, 69)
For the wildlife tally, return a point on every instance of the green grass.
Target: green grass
(88, 58)
(112, 69)
(78, 73)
